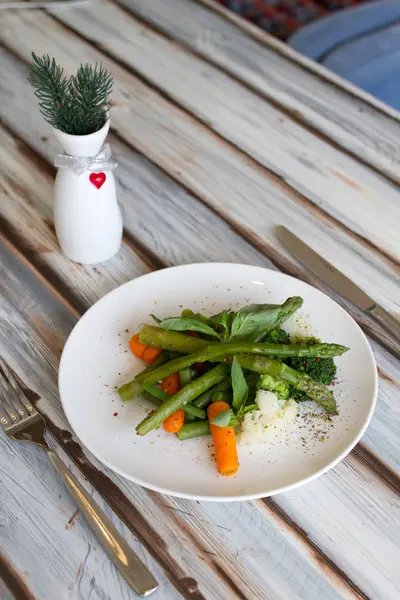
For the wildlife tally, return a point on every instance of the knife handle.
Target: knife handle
(386, 319)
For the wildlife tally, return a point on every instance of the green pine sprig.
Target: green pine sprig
(76, 105)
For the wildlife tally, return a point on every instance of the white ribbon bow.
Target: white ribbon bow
(79, 164)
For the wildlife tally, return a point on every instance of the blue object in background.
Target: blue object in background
(361, 44)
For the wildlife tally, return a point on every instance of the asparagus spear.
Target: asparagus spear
(259, 364)
(171, 340)
(315, 390)
(218, 352)
(182, 398)
(159, 338)
(192, 430)
(157, 396)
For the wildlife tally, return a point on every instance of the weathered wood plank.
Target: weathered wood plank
(16, 586)
(332, 545)
(385, 410)
(369, 520)
(156, 209)
(39, 518)
(217, 555)
(302, 61)
(26, 187)
(348, 121)
(158, 201)
(244, 194)
(347, 190)
(161, 215)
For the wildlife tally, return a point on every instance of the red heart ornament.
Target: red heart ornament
(97, 179)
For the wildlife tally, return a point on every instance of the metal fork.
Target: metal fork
(22, 422)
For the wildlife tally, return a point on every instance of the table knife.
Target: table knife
(337, 281)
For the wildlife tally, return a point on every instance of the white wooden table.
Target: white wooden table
(221, 133)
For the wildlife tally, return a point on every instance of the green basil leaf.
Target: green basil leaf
(239, 385)
(254, 318)
(188, 324)
(226, 418)
(222, 322)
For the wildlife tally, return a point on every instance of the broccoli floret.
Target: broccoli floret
(320, 369)
(280, 388)
(277, 336)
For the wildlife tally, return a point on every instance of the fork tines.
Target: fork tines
(14, 405)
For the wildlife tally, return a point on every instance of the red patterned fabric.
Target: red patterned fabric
(282, 17)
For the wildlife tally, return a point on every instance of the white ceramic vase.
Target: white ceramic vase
(87, 217)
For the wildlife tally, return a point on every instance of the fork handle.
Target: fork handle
(122, 555)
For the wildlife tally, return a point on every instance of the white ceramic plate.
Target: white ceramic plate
(95, 360)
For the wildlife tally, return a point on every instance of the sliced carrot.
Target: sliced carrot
(171, 384)
(224, 441)
(136, 347)
(151, 354)
(175, 422)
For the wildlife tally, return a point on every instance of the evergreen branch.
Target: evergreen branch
(77, 105)
(51, 87)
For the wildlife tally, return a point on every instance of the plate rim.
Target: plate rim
(219, 498)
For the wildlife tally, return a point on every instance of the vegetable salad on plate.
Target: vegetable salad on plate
(234, 375)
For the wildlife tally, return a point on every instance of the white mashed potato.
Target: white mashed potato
(269, 421)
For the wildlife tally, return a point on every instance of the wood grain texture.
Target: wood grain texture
(26, 207)
(15, 582)
(262, 550)
(55, 345)
(310, 100)
(213, 547)
(325, 175)
(53, 550)
(221, 177)
(298, 59)
(165, 219)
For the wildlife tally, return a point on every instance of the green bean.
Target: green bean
(190, 418)
(156, 392)
(151, 398)
(182, 398)
(205, 399)
(161, 397)
(192, 430)
(186, 376)
(193, 411)
(222, 397)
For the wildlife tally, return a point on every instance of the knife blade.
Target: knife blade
(336, 280)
